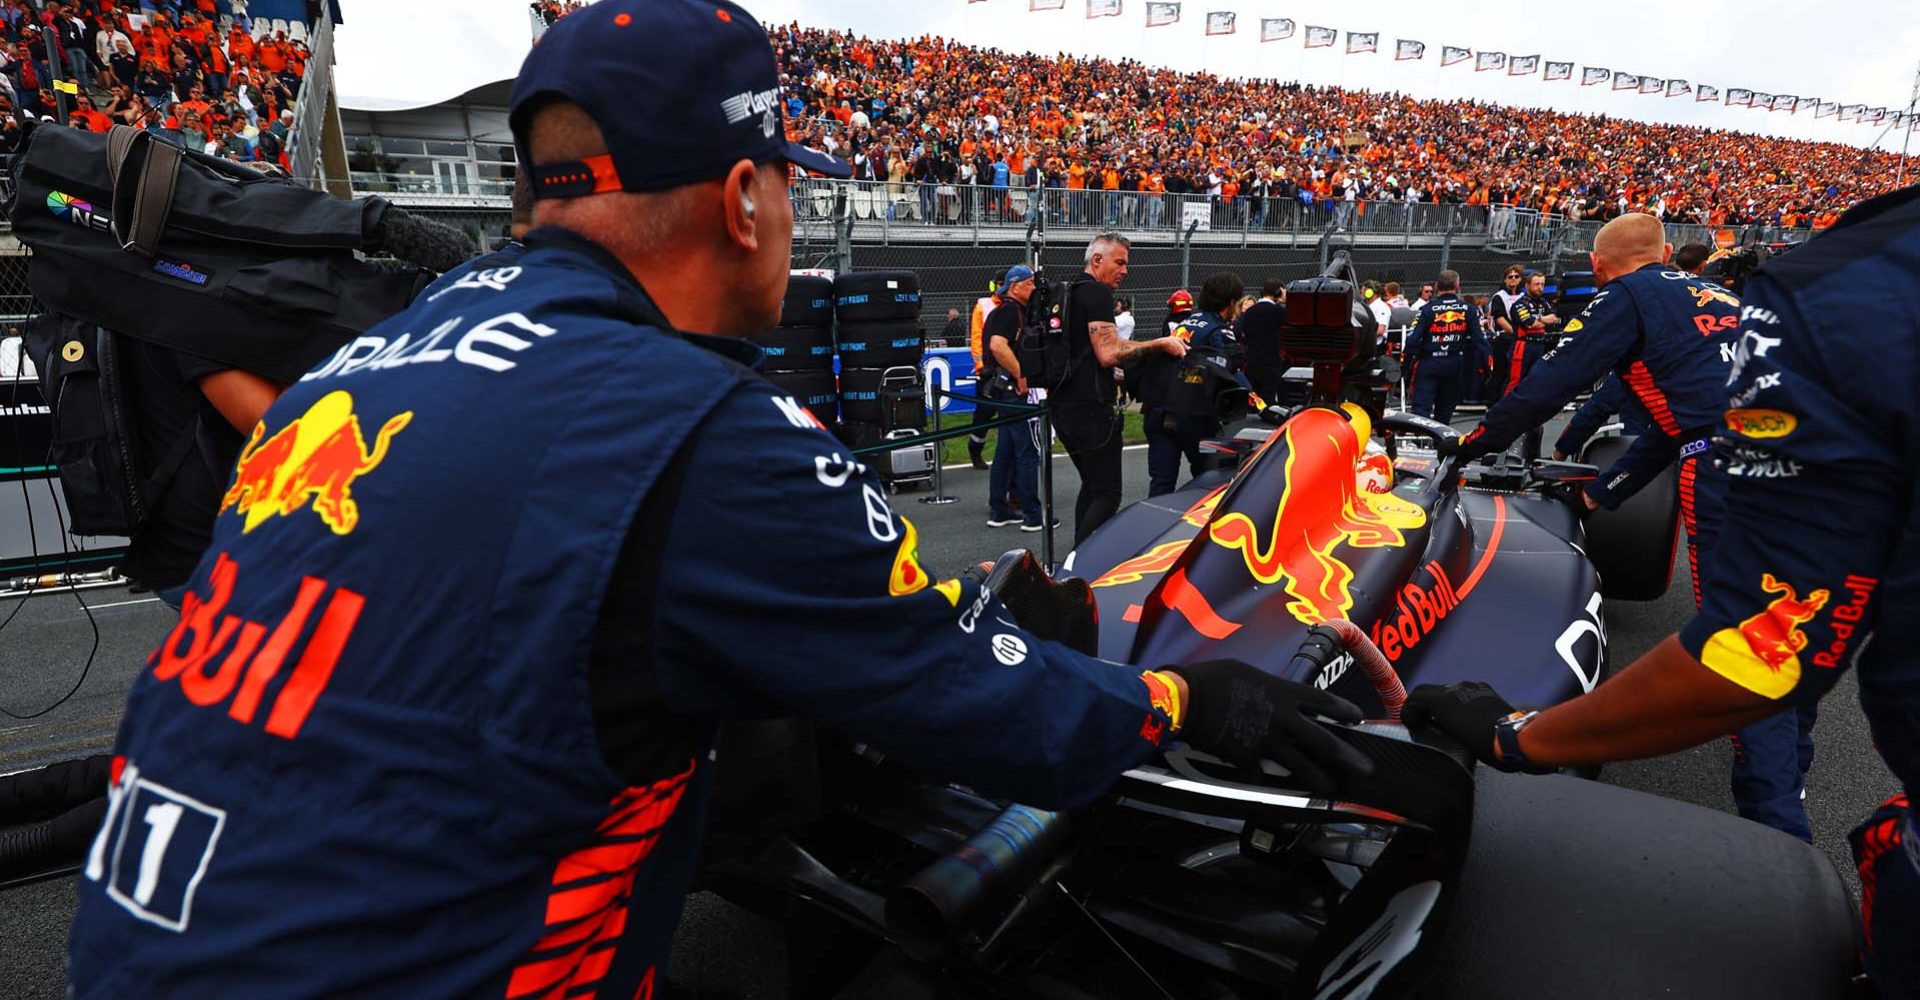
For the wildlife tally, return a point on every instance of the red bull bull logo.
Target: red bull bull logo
(1763, 653)
(314, 459)
(1321, 509)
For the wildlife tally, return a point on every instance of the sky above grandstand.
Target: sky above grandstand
(1862, 52)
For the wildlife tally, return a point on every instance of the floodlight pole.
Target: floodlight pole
(1900, 177)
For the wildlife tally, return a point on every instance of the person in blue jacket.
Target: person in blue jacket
(1179, 404)
(437, 718)
(1447, 345)
(1669, 337)
(1816, 572)
(1611, 399)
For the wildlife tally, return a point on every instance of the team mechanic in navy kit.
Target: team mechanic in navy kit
(1816, 571)
(1443, 347)
(437, 717)
(1670, 337)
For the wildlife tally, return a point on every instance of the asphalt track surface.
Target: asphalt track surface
(722, 951)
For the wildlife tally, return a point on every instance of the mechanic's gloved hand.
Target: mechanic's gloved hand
(1464, 712)
(1468, 448)
(1240, 714)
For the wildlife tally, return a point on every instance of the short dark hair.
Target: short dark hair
(1273, 288)
(1448, 281)
(1219, 292)
(1691, 256)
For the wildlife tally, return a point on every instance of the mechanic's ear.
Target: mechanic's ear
(1667, 255)
(736, 205)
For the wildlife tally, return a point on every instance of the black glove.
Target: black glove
(1240, 714)
(1468, 448)
(1465, 713)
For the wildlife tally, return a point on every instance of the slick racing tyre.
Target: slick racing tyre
(797, 348)
(809, 301)
(880, 345)
(874, 296)
(1632, 548)
(870, 396)
(815, 390)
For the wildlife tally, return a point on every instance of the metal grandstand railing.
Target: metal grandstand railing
(316, 93)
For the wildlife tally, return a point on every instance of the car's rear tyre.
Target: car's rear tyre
(1632, 548)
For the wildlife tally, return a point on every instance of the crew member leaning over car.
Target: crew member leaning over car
(437, 717)
(1670, 337)
(1817, 570)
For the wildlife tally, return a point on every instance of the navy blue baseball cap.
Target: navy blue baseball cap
(681, 89)
(1016, 274)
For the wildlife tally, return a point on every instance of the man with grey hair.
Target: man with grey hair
(1083, 408)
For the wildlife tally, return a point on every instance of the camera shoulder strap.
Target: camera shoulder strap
(135, 157)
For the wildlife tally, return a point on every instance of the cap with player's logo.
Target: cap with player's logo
(681, 89)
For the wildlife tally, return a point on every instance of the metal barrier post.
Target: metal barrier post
(1047, 520)
(938, 497)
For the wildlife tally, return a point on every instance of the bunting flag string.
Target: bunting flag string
(1161, 13)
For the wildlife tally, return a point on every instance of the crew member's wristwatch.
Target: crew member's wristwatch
(1506, 738)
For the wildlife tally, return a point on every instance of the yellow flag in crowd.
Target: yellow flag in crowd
(67, 86)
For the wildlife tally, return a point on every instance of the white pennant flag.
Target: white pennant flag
(1273, 29)
(1489, 60)
(1706, 93)
(1523, 65)
(1033, 5)
(1559, 70)
(1220, 22)
(1103, 8)
(1451, 54)
(1318, 37)
(1159, 14)
(1652, 85)
(1404, 49)
(1594, 74)
(1677, 87)
(1358, 41)
(1623, 80)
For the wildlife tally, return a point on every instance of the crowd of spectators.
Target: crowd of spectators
(549, 11)
(935, 119)
(193, 67)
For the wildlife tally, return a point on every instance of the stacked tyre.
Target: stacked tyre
(798, 356)
(880, 344)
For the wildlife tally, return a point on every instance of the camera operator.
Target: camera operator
(1083, 409)
(487, 769)
(1177, 399)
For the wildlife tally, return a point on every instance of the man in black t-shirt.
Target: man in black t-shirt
(1083, 412)
(1259, 328)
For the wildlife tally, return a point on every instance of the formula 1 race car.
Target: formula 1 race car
(1300, 555)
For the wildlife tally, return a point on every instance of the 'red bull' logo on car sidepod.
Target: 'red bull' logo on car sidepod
(1763, 653)
(314, 458)
(1320, 509)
